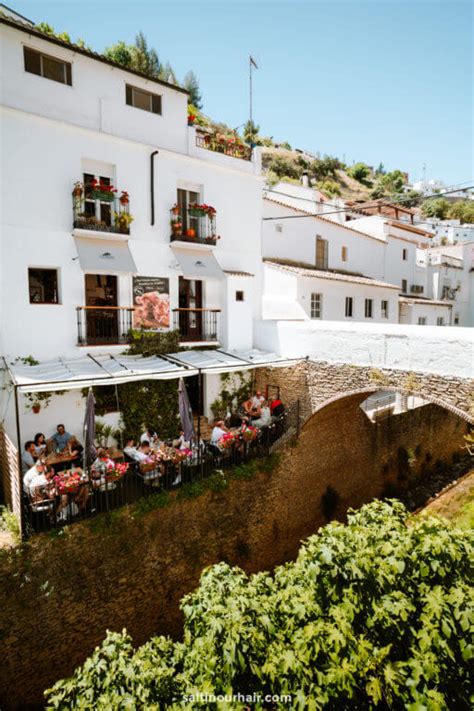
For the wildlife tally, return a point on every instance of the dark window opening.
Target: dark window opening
(239, 296)
(43, 286)
(141, 99)
(48, 67)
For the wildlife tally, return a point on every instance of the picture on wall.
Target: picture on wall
(151, 298)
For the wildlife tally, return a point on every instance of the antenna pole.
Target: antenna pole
(250, 77)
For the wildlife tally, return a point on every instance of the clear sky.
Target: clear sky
(370, 80)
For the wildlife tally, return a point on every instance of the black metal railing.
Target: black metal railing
(100, 215)
(196, 324)
(221, 144)
(103, 325)
(50, 508)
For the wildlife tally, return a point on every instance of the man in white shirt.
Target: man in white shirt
(149, 436)
(130, 450)
(257, 400)
(35, 471)
(218, 431)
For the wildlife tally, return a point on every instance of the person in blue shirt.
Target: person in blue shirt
(60, 438)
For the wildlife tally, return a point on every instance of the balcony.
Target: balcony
(103, 325)
(96, 209)
(229, 146)
(196, 325)
(195, 224)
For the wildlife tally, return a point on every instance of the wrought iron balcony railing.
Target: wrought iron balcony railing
(221, 144)
(196, 324)
(103, 325)
(99, 212)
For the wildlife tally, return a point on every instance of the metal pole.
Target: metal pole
(250, 72)
(199, 418)
(18, 436)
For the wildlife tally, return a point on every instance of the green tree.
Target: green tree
(191, 83)
(393, 182)
(462, 210)
(120, 53)
(360, 172)
(435, 208)
(329, 188)
(376, 613)
(144, 59)
(251, 131)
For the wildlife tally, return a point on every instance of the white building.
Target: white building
(433, 188)
(448, 231)
(75, 275)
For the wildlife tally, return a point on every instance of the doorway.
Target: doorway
(190, 309)
(101, 308)
(195, 399)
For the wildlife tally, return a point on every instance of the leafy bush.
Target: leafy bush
(360, 172)
(372, 614)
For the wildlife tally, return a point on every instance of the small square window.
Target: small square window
(405, 255)
(421, 320)
(349, 304)
(344, 254)
(141, 99)
(368, 308)
(43, 286)
(440, 321)
(239, 296)
(404, 286)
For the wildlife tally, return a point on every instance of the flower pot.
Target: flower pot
(124, 200)
(36, 408)
(191, 232)
(77, 192)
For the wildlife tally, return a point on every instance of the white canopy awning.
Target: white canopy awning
(77, 373)
(218, 361)
(88, 371)
(198, 265)
(100, 256)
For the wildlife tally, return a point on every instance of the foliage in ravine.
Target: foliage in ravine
(373, 614)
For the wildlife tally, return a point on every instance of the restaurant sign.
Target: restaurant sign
(151, 298)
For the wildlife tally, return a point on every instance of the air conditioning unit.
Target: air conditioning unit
(417, 289)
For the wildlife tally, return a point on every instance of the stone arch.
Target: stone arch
(369, 390)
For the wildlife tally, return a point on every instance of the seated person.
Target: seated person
(31, 474)
(144, 455)
(130, 450)
(60, 438)
(40, 444)
(249, 409)
(99, 469)
(149, 436)
(76, 449)
(257, 400)
(41, 484)
(181, 442)
(277, 408)
(28, 456)
(265, 418)
(218, 431)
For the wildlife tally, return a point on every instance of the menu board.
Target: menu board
(151, 298)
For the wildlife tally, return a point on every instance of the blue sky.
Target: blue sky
(381, 80)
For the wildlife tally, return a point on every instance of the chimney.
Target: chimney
(305, 180)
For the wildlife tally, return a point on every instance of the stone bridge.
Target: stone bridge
(317, 384)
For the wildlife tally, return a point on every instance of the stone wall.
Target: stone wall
(58, 595)
(317, 383)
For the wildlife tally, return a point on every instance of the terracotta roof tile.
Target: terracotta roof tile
(332, 276)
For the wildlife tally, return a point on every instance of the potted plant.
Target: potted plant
(36, 407)
(191, 118)
(175, 209)
(77, 190)
(123, 220)
(124, 198)
(190, 232)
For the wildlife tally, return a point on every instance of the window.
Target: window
(48, 67)
(456, 320)
(43, 286)
(405, 255)
(344, 254)
(417, 289)
(368, 308)
(141, 99)
(316, 305)
(384, 309)
(440, 321)
(101, 210)
(421, 320)
(239, 296)
(349, 306)
(404, 286)
(186, 198)
(321, 253)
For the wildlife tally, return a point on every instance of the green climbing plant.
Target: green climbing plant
(235, 389)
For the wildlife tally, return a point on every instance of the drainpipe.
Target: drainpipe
(152, 185)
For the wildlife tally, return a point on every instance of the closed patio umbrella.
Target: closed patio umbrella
(90, 452)
(185, 412)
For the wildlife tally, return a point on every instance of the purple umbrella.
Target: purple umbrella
(90, 452)
(185, 412)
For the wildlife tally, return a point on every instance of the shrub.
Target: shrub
(374, 613)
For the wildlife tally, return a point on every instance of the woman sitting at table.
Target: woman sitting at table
(76, 449)
(40, 445)
(250, 410)
(265, 418)
(100, 467)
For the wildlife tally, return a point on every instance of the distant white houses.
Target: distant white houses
(433, 188)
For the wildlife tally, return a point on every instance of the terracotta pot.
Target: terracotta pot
(175, 210)
(36, 408)
(191, 232)
(124, 200)
(77, 192)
